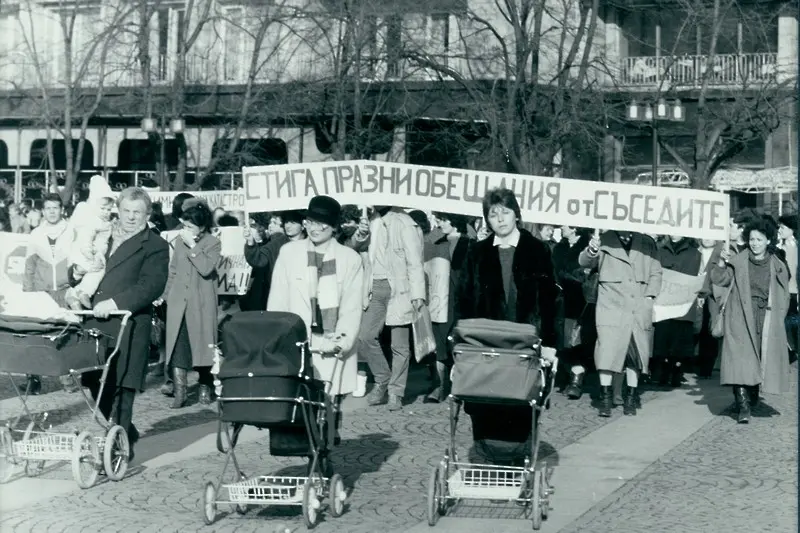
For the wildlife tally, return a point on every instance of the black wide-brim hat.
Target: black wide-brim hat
(324, 209)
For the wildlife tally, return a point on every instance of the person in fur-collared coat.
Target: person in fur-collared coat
(508, 276)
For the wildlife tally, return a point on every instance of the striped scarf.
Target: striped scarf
(323, 289)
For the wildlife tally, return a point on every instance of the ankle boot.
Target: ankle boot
(574, 390)
(742, 404)
(664, 370)
(637, 398)
(437, 395)
(606, 401)
(752, 392)
(629, 407)
(204, 395)
(168, 388)
(676, 378)
(616, 384)
(180, 383)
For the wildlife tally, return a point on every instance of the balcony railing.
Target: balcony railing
(722, 70)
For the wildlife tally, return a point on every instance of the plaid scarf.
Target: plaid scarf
(323, 289)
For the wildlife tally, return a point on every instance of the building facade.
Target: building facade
(152, 88)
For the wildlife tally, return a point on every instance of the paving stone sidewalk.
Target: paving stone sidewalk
(385, 459)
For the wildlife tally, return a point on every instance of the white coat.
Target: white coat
(289, 292)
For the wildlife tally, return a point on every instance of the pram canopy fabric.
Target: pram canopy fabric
(48, 348)
(264, 343)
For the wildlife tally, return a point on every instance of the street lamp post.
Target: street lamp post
(150, 126)
(662, 112)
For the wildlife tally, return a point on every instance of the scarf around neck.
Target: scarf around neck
(119, 235)
(323, 289)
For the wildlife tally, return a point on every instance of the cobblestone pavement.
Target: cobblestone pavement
(385, 459)
(725, 477)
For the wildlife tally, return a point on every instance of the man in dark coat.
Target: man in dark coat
(137, 267)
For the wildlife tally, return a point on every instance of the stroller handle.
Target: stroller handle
(126, 315)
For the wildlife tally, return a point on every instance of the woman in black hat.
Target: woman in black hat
(321, 281)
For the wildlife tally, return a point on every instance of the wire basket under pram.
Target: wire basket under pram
(58, 348)
(268, 382)
(497, 366)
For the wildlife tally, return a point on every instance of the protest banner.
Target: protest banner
(678, 294)
(227, 200)
(558, 201)
(232, 270)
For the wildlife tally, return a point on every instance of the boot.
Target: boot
(180, 383)
(637, 398)
(204, 395)
(574, 390)
(676, 376)
(379, 395)
(606, 401)
(438, 394)
(34, 385)
(629, 407)
(742, 404)
(752, 392)
(664, 372)
(617, 386)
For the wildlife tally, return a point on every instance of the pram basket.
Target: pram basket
(268, 382)
(501, 364)
(57, 348)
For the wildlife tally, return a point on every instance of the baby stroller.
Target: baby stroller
(57, 348)
(268, 382)
(497, 365)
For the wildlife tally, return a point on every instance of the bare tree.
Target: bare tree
(741, 97)
(531, 72)
(64, 52)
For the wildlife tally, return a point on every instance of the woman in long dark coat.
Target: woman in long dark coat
(508, 276)
(754, 346)
(191, 297)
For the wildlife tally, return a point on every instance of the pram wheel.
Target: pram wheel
(337, 495)
(32, 468)
(536, 503)
(85, 460)
(436, 496)
(7, 457)
(116, 450)
(310, 502)
(209, 504)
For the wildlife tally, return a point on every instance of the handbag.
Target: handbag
(422, 330)
(718, 326)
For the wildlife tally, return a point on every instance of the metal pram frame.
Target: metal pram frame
(90, 455)
(452, 480)
(308, 491)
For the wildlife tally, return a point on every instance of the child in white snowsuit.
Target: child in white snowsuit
(91, 222)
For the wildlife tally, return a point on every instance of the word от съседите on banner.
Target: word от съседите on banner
(558, 201)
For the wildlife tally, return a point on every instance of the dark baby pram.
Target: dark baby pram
(59, 348)
(504, 384)
(268, 382)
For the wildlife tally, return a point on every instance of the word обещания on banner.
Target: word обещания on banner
(641, 208)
